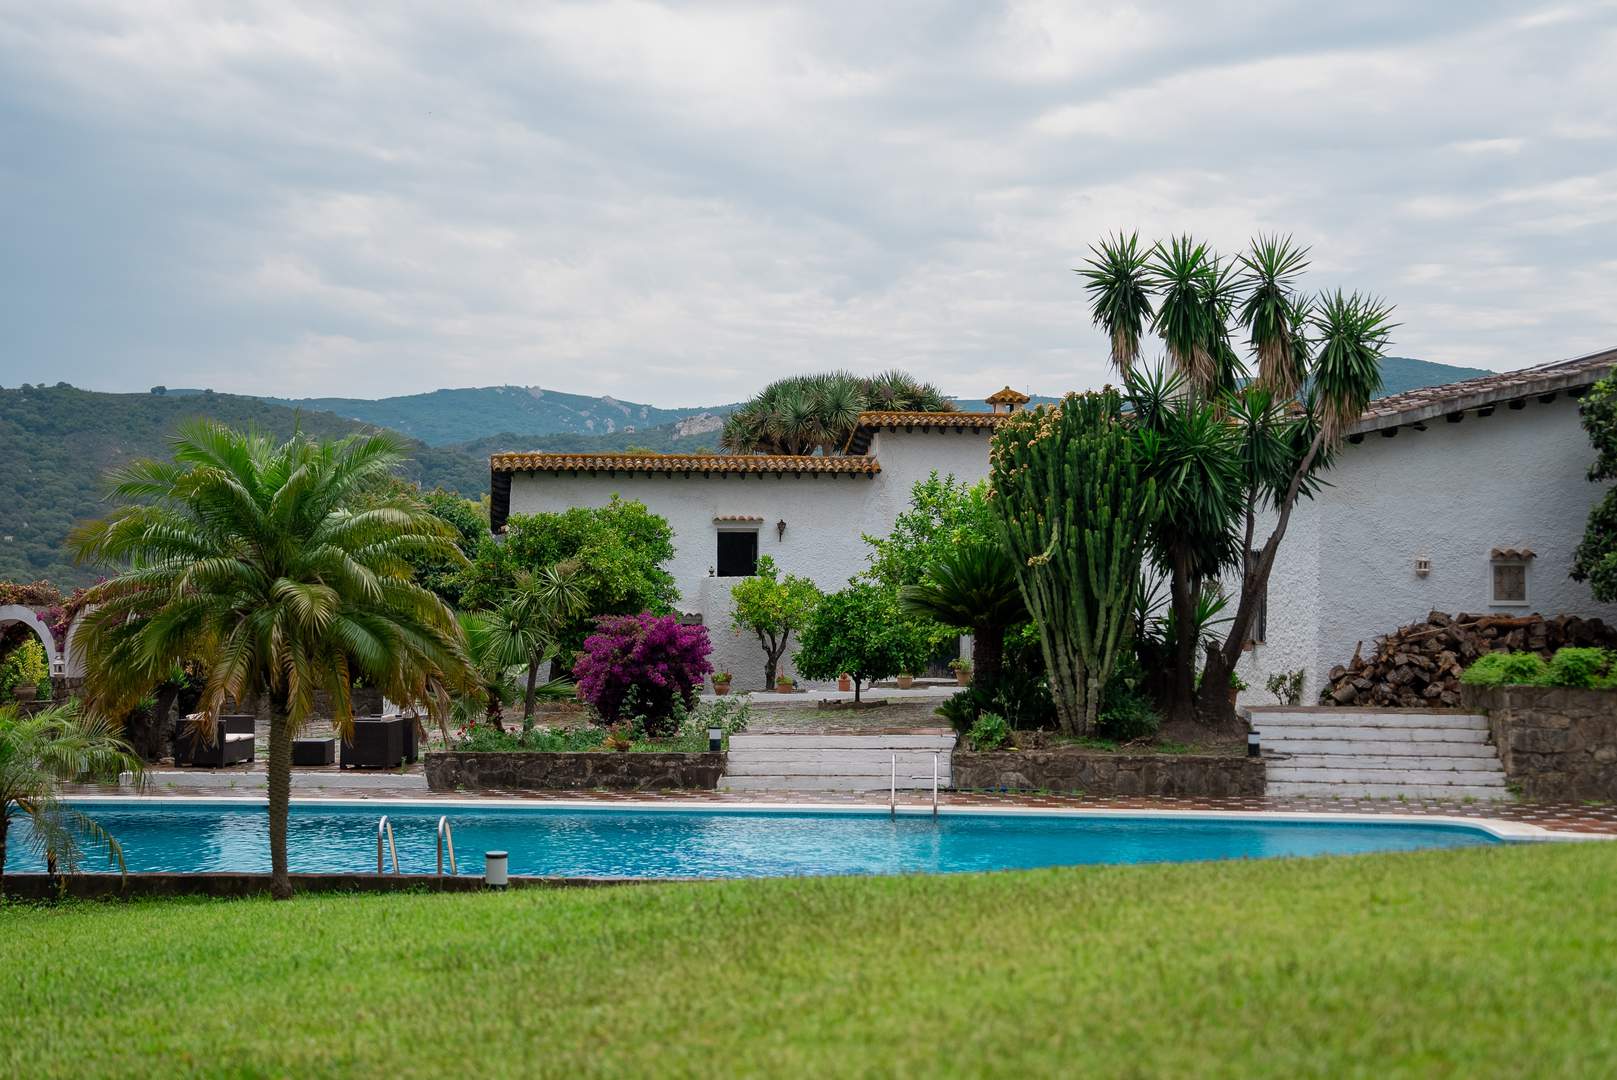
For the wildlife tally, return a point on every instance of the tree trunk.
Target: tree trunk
(527, 698)
(857, 680)
(1182, 686)
(280, 797)
(772, 653)
(987, 655)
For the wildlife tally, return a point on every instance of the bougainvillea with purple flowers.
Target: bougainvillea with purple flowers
(646, 660)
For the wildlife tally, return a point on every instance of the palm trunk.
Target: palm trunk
(527, 698)
(280, 798)
(1183, 686)
(987, 655)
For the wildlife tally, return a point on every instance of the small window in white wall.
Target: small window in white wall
(737, 552)
(1509, 568)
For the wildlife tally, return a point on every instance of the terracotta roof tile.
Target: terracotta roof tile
(1432, 401)
(871, 422)
(683, 463)
(1007, 396)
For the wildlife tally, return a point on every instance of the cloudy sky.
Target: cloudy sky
(677, 202)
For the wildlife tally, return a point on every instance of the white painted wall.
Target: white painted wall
(1346, 570)
(825, 517)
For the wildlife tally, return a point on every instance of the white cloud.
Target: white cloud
(676, 203)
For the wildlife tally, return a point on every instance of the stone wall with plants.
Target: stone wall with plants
(457, 770)
(1556, 743)
(1094, 773)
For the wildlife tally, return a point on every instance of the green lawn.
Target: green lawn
(1481, 961)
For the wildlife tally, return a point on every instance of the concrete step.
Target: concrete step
(823, 783)
(1383, 761)
(1392, 791)
(1377, 746)
(846, 742)
(1436, 718)
(1281, 774)
(1386, 734)
(861, 765)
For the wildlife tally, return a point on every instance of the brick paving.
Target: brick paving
(1590, 818)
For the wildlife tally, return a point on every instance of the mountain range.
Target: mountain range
(58, 442)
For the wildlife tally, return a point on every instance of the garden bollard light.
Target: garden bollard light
(1252, 749)
(495, 866)
(715, 740)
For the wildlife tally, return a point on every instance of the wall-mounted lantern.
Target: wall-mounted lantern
(780, 529)
(1423, 564)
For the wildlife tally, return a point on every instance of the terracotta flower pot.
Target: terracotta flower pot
(782, 687)
(23, 693)
(721, 688)
(906, 681)
(844, 683)
(962, 678)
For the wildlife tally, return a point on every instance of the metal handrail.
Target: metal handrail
(892, 791)
(446, 835)
(934, 785)
(385, 827)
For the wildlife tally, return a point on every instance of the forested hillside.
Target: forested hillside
(57, 443)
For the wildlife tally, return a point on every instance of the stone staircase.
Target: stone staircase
(1356, 753)
(835, 762)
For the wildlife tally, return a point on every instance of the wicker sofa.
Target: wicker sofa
(234, 742)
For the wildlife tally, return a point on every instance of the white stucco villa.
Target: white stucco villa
(1464, 497)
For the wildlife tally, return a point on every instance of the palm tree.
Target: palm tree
(972, 585)
(496, 683)
(40, 753)
(526, 627)
(251, 556)
(1319, 364)
(803, 414)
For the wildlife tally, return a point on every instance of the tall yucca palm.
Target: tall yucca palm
(972, 585)
(40, 753)
(251, 555)
(1119, 301)
(1269, 311)
(1183, 274)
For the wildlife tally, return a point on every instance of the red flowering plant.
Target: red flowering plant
(642, 663)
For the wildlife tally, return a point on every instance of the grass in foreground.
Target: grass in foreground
(1482, 961)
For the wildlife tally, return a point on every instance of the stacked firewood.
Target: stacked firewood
(1418, 666)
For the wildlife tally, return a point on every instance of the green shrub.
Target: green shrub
(1578, 668)
(990, 732)
(1128, 715)
(1506, 669)
(963, 708)
(26, 666)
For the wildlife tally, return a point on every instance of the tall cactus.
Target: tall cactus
(1074, 507)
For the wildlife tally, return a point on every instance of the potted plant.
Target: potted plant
(962, 671)
(1237, 684)
(844, 682)
(784, 684)
(905, 680)
(721, 683)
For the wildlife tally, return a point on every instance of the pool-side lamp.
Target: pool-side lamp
(715, 740)
(1252, 747)
(496, 866)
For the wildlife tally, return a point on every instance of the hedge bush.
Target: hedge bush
(1569, 667)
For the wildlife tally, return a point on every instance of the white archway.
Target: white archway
(17, 613)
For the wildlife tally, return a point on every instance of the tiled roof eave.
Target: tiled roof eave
(1429, 403)
(685, 464)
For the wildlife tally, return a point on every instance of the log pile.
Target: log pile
(1418, 666)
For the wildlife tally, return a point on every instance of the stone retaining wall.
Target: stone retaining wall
(541, 771)
(1108, 774)
(1556, 744)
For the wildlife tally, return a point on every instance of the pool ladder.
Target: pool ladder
(384, 828)
(446, 839)
(892, 791)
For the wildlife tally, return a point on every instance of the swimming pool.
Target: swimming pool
(193, 835)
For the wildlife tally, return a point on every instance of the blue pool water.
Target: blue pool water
(191, 835)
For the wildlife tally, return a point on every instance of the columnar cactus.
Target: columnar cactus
(1074, 508)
